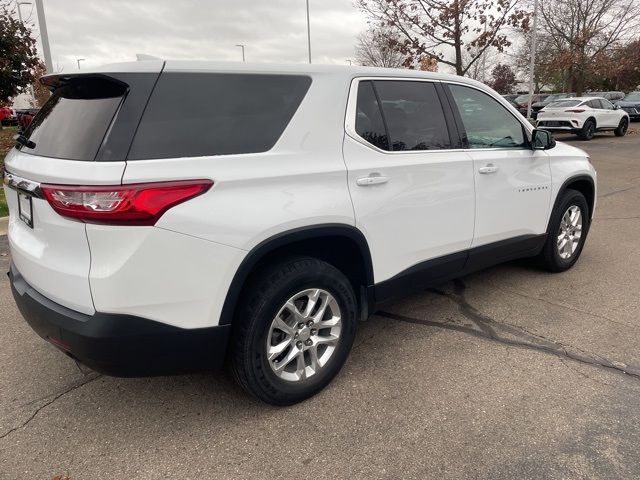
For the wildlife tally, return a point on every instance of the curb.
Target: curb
(4, 222)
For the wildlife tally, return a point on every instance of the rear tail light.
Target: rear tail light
(575, 110)
(135, 204)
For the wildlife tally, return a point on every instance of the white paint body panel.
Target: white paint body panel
(513, 201)
(54, 256)
(424, 211)
(605, 118)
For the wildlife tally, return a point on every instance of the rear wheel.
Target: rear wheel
(567, 232)
(621, 131)
(294, 330)
(588, 130)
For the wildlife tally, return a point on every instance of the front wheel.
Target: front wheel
(622, 128)
(567, 232)
(295, 326)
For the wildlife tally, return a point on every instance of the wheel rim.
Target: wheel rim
(624, 126)
(590, 130)
(304, 335)
(570, 232)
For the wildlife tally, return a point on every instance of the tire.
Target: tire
(588, 130)
(553, 257)
(621, 131)
(272, 297)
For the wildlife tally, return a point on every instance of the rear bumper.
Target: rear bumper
(120, 345)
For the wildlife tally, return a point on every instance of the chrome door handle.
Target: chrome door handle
(488, 168)
(373, 179)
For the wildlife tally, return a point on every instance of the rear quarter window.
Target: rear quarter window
(75, 119)
(203, 114)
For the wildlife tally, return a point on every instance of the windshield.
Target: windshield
(564, 104)
(632, 97)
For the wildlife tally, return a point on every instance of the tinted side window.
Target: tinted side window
(73, 122)
(369, 123)
(413, 114)
(201, 114)
(594, 104)
(606, 104)
(487, 122)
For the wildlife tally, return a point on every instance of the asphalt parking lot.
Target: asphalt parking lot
(507, 373)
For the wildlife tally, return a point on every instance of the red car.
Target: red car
(7, 116)
(25, 117)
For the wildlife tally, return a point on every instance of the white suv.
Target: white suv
(584, 116)
(168, 215)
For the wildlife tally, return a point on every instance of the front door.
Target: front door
(513, 182)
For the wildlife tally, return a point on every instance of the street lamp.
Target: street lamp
(46, 50)
(349, 60)
(308, 31)
(533, 55)
(80, 60)
(19, 12)
(242, 47)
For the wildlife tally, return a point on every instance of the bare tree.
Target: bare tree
(377, 47)
(435, 27)
(580, 31)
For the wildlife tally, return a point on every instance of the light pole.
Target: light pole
(80, 60)
(348, 60)
(19, 12)
(46, 50)
(308, 31)
(532, 63)
(242, 47)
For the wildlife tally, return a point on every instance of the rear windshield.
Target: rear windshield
(565, 103)
(73, 122)
(201, 114)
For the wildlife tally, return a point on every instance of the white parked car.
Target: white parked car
(584, 116)
(166, 215)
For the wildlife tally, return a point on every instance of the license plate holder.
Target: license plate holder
(25, 208)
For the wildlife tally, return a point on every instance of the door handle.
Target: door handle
(372, 179)
(488, 168)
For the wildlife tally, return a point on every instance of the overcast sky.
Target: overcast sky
(104, 31)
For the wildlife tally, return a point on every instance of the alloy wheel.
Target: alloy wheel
(570, 232)
(303, 335)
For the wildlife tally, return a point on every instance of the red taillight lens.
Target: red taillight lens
(575, 110)
(135, 204)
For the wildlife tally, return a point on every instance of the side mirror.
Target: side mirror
(542, 140)
(616, 107)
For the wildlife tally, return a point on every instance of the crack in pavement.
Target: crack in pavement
(73, 387)
(562, 305)
(483, 326)
(615, 192)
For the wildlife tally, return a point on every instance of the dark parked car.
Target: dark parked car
(631, 105)
(511, 96)
(540, 104)
(523, 101)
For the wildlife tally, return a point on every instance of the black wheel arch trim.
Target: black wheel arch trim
(563, 188)
(282, 239)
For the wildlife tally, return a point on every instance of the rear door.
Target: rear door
(411, 187)
(80, 137)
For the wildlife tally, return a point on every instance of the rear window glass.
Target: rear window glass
(73, 122)
(565, 103)
(201, 114)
